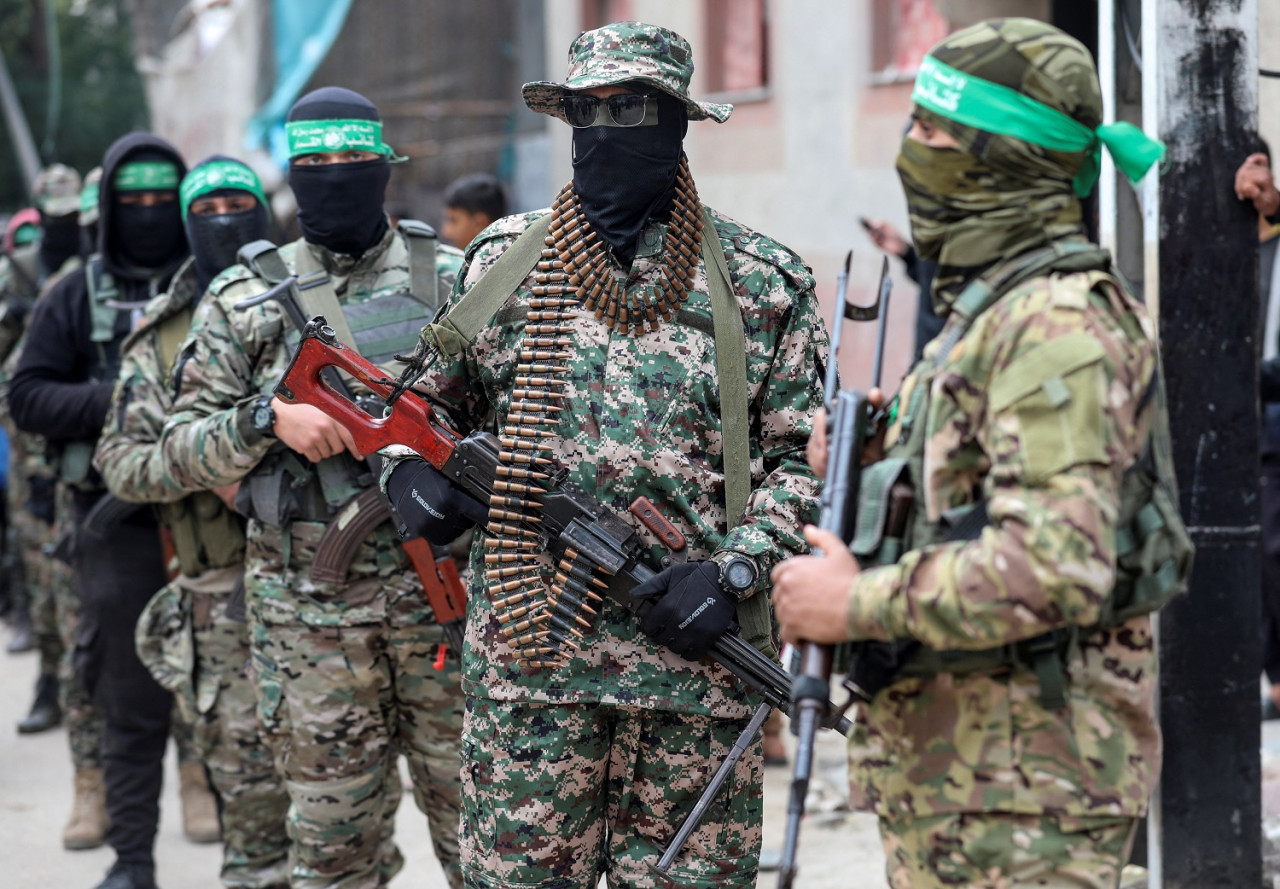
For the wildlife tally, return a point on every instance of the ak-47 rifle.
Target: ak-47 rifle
(435, 567)
(571, 518)
(849, 414)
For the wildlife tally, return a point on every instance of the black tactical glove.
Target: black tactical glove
(428, 505)
(691, 611)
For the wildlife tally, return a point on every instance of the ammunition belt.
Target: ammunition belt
(543, 622)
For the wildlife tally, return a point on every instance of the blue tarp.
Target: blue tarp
(4, 460)
(304, 31)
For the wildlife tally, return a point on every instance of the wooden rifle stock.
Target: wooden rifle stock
(413, 423)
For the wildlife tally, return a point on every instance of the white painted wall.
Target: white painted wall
(1269, 87)
(199, 90)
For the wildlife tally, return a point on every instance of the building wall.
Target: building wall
(205, 82)
(1269, 87)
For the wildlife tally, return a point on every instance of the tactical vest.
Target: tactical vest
(283, 487)
(455, 331)
(111, 319)
(1153, 548)
(205, 534)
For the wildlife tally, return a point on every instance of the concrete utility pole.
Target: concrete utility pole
(1199, 76)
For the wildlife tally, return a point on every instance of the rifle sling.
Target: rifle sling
(316, 294)
(420, 241)
(473, 312)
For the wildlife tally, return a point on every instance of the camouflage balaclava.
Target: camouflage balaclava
(1022, 100)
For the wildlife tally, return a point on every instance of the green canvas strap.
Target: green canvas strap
(264, 258)
(457, 330)
(102, 292)
(1060, 257)
(317, 296)
(420, 239)
(731, 368)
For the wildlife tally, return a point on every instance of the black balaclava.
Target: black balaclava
(59, 240)
(148, 237)
(89, 239)
(625, 176)
(214, 240)
(340, 205)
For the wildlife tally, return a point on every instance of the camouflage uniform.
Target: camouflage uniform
(980, 778)
(588, 767)
(214, 694)
(19, 287)
(345, 673)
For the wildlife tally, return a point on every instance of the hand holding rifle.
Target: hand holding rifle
(809, 591)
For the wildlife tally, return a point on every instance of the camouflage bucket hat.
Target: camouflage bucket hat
(165, 641)
(621, 52)
(57, 190)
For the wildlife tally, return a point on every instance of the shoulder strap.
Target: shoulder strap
(317, 296)
(979, 295)
(731, 368)
(264, 258)
(456, 330)
(102, 290)
(421, 240)
(173, 331)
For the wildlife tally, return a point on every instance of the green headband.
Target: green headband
(27, 233)
(999, 109)
(330, 136)
(218, 175)
(146, 176)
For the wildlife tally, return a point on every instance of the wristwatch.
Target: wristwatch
(738, 573)
(263, 417)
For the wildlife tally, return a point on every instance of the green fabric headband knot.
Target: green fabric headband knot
(217, 175)
(999, 109)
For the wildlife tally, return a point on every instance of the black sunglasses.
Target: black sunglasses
(625, 110)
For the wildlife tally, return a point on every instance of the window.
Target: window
(734, 57)
(598, 13)
(902, 31)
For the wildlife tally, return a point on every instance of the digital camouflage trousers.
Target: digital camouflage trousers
(554, 795)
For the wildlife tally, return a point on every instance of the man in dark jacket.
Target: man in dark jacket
(62, 390)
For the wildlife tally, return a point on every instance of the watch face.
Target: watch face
(739, 574)
(263, 418)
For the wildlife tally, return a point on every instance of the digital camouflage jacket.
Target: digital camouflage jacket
(642, 417)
